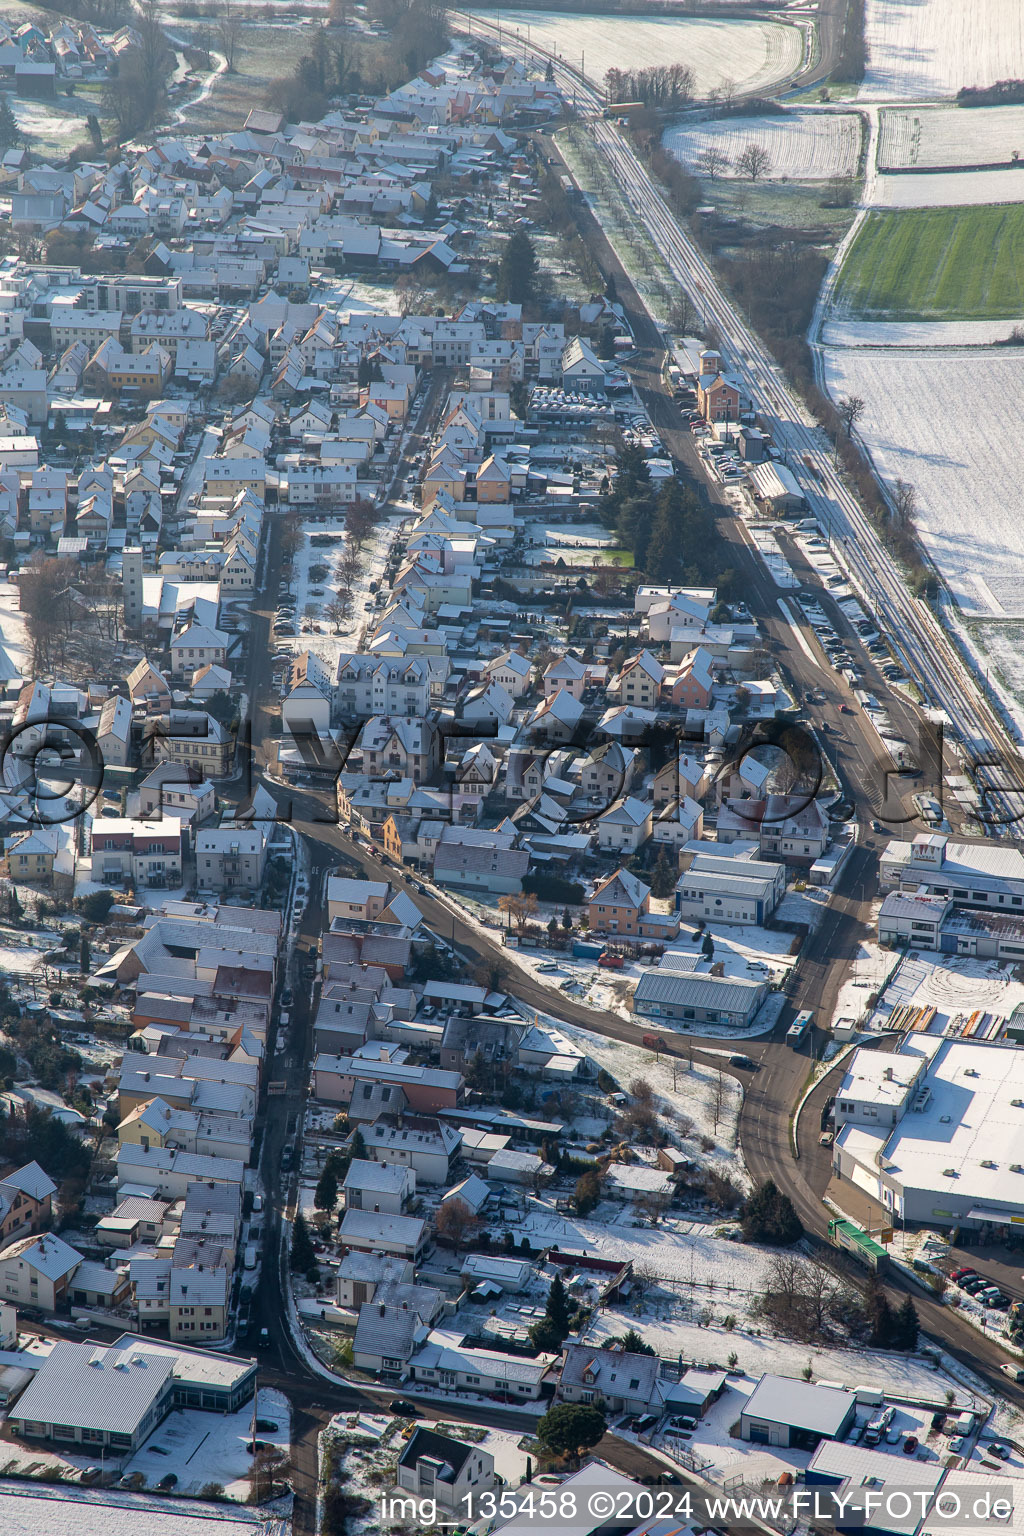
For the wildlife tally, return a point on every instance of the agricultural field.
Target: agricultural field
(916, 426)
(801, 144)
(949, 189)
(935, 264)
(949, 136)
(915, 333)
(753, 55)
(921, 50)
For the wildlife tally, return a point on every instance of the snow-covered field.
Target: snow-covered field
(915, 333)
(806, 145)
(922, 49)
(45, 1510)
(753, 55)
(359, 297)
(50, 123)
(948, 189)
(965, 470)
(678, 1253)
(949, 136)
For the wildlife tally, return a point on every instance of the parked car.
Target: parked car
(1000, 1451)
(169, 1480)
(910, 1445)
(958, 1445)
(403, 1410)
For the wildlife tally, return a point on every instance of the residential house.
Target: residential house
(403, 1237)
(231, 857)
(35, 1271)
(619, 905)
(428, 1146)
(26, 1202)
(380, 1187)
(624, 1382)
(448, 1472)
(625, 826)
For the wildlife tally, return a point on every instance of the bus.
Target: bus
(797, 1032)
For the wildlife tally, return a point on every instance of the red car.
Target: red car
(962, 1274)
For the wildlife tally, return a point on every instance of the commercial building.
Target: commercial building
(112, 1396)
(982, 874)
(784, 1412)
(935, 1132)
(691, 999)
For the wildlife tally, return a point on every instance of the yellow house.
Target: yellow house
(30, 855)
(493, 481)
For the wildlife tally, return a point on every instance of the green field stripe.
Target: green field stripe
(936, 263)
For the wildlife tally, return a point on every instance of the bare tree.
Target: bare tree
(229, 36)
(904, 504)
(753, 160)
(683, 314)
(849, 410)
(803, 1298)
(713, 161)
(338, 610)
(718, 1099)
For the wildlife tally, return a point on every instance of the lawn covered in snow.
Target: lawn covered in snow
(919, 50)
(803, 144)
(949, 136)
(753, 55)
(965, 470)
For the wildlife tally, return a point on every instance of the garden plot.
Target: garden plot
(696, 1101)
(965, 472)
(949, 136)
(801, 144)
(753, 55)
(919, 50)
